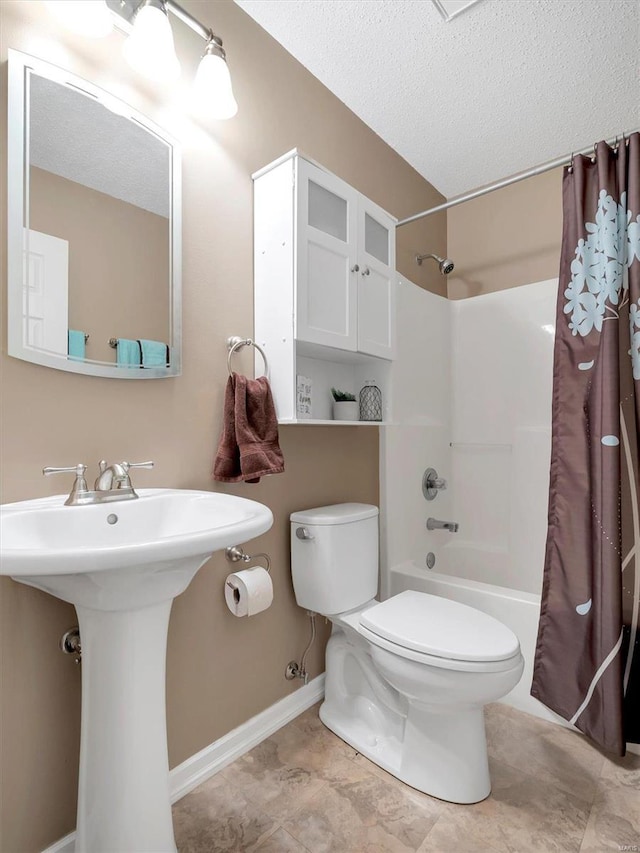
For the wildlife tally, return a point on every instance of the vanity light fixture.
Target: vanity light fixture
(153, 54)
(149, 49)
(213, 78)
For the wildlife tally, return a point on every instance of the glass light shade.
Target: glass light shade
(90, 18)
(149, 49)
(213, 95)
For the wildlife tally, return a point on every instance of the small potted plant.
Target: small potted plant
(345, 406)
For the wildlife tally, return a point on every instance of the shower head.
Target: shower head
(445, 264)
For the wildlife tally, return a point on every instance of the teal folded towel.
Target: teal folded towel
(154, 353)
(128, 353)
(76, 344)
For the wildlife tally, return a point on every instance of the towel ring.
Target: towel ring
(235, 343)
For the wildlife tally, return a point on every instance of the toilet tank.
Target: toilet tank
(335, 569)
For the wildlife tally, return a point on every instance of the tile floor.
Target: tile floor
(305, 791)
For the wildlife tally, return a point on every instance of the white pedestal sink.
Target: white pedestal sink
(121, 564)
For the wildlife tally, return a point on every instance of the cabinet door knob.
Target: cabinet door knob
(366, 271)
(355, 268)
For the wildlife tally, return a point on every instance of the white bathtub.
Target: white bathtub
(520, 611)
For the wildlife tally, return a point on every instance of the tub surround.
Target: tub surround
(502, 368)
(484, 421)
(420, 434)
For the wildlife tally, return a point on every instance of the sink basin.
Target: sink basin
(45, 537)
(121, 564)
(103, 556)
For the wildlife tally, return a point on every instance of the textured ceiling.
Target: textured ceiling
(78, 138)
(504, 86)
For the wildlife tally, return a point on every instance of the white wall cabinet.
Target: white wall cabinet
(376, 280)
(324, 264)
(345, 263)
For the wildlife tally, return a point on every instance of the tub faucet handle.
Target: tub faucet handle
(432, 484)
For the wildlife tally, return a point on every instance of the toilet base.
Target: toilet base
(445, 754)
(439, 749)
(385, 751)
(450, 763)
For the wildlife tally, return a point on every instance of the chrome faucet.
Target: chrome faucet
(434, 524)
(112, 476)
(116, 476)
(112, 484)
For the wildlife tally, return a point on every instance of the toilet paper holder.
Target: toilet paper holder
(235, 554)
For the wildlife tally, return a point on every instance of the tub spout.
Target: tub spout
(435, 524)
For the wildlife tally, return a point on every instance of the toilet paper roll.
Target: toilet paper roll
(248, 592)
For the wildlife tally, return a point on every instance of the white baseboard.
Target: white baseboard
(213, 758)
(64, 845)
(195, 770)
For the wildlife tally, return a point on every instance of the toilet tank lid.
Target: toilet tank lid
(335, 514)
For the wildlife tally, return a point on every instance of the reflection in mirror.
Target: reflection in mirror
(94, 282)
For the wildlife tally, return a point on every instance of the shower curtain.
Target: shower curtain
(587, 663)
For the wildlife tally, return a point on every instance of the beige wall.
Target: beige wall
(506, 238)
(221, 670)
(118, 261)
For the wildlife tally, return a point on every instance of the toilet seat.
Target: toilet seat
(438, 632)
(440, 662)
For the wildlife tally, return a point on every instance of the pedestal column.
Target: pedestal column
(123, 794)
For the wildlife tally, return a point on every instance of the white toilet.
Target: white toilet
(406, 679)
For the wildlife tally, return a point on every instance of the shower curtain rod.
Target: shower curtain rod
(505, 182)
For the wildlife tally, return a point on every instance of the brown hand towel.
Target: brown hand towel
(226, 466)
(248, 447)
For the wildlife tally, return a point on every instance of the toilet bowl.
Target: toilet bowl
(406, 678)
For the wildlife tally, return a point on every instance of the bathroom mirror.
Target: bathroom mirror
(94, 229)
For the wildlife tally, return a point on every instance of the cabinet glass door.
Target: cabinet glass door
(376, 277)
(326, 282)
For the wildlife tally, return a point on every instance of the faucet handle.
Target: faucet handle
(128, 465)
(78, 470)
(79, 491)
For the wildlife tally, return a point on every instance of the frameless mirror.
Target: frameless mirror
(93, 229)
